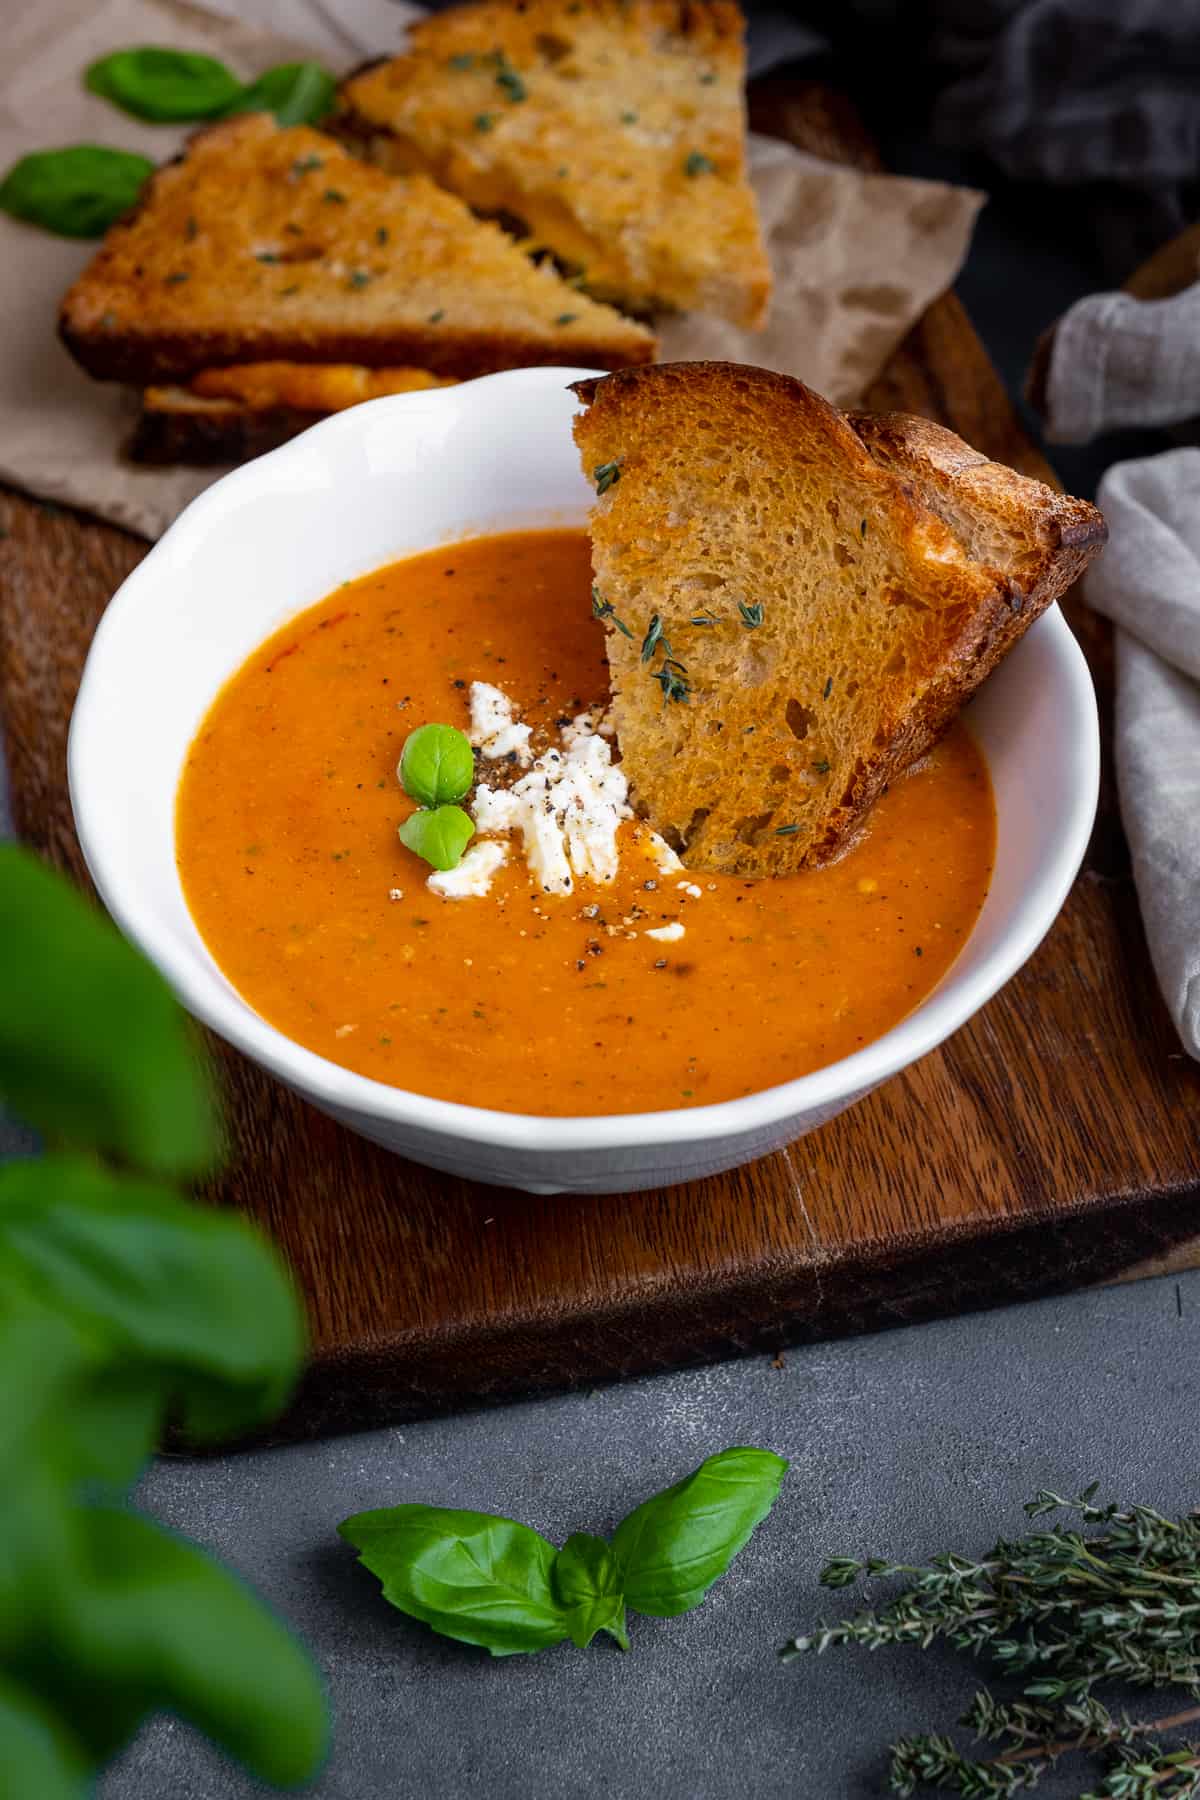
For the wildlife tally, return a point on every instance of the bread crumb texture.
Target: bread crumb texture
(808, 597)
(613, 130)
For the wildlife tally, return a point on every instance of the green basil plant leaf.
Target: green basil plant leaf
(94, 1051)
(436, 765)
(164, 86)
(158, 1625)
(471, 1576)
(675, 1545)
(77, 192)
(194, 1294)
(298, 93)
(36, 1754)
(588, 1579)
(440, 837)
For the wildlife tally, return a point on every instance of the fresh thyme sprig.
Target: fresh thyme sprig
(1063, 1611)
(1038, 1737)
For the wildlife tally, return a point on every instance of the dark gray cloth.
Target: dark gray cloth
(1073, 90)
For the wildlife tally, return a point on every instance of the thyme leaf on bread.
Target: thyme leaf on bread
(603, 609)
(607, 474)
(1063, 1612)
(654, 639)
(752, 616)
(673, 679)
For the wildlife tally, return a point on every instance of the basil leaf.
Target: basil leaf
(675, 1545)
(155, 1624)
(298, 93)
(78, 192)
(94, 1051)
(164, 86)
(437, 764)
(472, 1576)
(588, 1579)
(192, 1294)
(36, 1755)
(440, 836)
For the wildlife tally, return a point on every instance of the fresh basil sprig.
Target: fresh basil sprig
(298, 93)
(437, 766)
(164, 87)
(77, 192)
(489, 1581)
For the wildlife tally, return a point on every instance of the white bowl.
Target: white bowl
(397, 476)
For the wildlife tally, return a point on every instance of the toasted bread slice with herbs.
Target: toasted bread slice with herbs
(613, 130)
(264, 242)
(229, 415)
(809, 597)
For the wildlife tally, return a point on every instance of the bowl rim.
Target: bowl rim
(209, 996)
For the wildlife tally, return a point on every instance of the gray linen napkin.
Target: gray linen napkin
(1148, 583)
(1118, 361)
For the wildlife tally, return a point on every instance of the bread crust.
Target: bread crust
(924, 566)
(213, 433)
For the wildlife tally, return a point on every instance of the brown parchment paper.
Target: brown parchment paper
(856, 257)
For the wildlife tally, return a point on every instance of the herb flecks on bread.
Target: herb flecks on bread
(797, 600)
(613, 130)
(265, 243)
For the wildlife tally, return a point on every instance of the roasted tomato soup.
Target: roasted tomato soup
(662, 988)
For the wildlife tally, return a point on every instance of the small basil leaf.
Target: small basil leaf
(440, 836)
(436, 765)
(297, 93)
(164, 86)
(675, 1545)
(191, 1294)
(472, 1576)
(78, 192)
(588, 1579)
(94, 1050)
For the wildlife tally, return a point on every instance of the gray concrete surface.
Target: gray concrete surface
(903, 1443)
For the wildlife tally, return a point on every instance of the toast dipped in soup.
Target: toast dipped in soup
(798, 600)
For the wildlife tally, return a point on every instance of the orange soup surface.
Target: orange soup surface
(553, 1004)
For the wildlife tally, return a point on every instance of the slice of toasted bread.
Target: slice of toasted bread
(811, 595)
(267, 242)
(614, 130)
(230, 415)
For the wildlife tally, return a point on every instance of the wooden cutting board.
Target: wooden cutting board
(1055, 1140)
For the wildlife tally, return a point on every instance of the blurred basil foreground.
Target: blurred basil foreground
(123, 1304)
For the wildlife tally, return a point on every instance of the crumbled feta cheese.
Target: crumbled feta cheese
(690, 889)
(494, 727)
(667, 934)
(661, 854)
(567, 810)
(395, 893)
(472, 877)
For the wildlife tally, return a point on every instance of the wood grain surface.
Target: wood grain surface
(1055, 1140)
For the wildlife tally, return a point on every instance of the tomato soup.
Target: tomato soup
(532, 1002)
